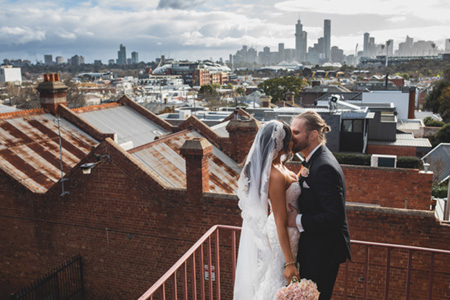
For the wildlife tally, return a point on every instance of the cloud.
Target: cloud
(435, 10)
(204, 28)
(178, 4)
(20, 35)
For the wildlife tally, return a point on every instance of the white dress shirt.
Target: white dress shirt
(298, 220)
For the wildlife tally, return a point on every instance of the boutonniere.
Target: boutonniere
(305, 170)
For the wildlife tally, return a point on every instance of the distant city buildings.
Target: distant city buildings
(122, 55)
(134, 57)
(300, 42)
(48, 59)
(59, 60)
(76, 60)
(447, 46)
(319, 53)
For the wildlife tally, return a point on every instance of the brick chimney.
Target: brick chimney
(241, 136)
(196, 152)
(52, 92)
(412, 102)
(289, 97)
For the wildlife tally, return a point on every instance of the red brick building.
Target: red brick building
(160, 189)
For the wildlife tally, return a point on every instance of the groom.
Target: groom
(324, 241)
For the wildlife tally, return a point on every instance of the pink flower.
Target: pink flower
(302, 290)
(305, 172)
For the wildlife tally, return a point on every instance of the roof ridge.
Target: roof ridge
(95, 107)
(158, 140)
(22, 113)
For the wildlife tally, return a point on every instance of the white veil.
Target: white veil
(253, 189)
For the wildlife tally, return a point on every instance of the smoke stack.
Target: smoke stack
(52, 93)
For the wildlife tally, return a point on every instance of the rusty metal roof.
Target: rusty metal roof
(29, 149)
(163, 158)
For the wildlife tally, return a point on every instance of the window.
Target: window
(352, 126)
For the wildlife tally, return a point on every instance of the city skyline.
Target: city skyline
(198, 29)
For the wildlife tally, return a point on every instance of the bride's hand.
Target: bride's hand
(289, 272)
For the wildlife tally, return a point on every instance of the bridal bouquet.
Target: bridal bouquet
(298, 290)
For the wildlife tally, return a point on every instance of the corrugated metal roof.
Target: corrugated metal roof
(439, 160)
(7, 109)
(405, 139)
(221, 129)
(164, 159)
(29, 149)
(128, 124)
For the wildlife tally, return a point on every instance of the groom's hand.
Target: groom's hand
(292, 216)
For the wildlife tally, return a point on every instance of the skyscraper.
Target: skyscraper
(327, 39)
(447, 46)
(134, 57)
(48, 59)
(300, 42)
(122, 55)
(366, 43)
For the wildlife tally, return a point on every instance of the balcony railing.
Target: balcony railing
(184, 280)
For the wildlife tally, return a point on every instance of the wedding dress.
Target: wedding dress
(274, 278)
(260, 263)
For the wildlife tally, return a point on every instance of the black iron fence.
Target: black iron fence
(63, 283)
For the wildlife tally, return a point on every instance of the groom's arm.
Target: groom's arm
(329, 192)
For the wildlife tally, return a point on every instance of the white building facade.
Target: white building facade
(10, 74)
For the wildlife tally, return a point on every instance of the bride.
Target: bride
(268, 247)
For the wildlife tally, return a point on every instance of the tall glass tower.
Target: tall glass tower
(327, 39)
(300, 42)
(122, 55)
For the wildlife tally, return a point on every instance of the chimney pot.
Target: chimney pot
(52, 93)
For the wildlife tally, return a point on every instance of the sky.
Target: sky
(204, 29)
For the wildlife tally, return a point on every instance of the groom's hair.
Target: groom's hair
(315, 122)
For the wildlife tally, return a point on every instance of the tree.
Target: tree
(207, 90)
(74, 96)
(241, 91)
(278, 87)
(430, 122)
(444, 103)
(229, 86)
(442, 136)
(434, 100)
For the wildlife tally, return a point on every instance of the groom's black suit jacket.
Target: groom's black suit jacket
(322, 205)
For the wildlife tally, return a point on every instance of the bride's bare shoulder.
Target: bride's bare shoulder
(277, 177)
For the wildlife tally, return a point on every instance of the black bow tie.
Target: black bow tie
(305, 163)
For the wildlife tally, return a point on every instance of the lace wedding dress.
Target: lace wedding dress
(274, 278)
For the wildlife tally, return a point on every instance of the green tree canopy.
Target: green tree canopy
(241, 91)
(207, 90)
(438, 100)
(429, 121)
(278, 87)
(442, 136)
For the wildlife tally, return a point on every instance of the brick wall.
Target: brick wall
(391, 150)
(387, 187)
(396, 226)
(130, 230)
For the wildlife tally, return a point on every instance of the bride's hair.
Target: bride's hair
(287, 138)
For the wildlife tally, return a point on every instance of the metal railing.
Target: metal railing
(190, 255)
(167, 287)
(63, 283)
